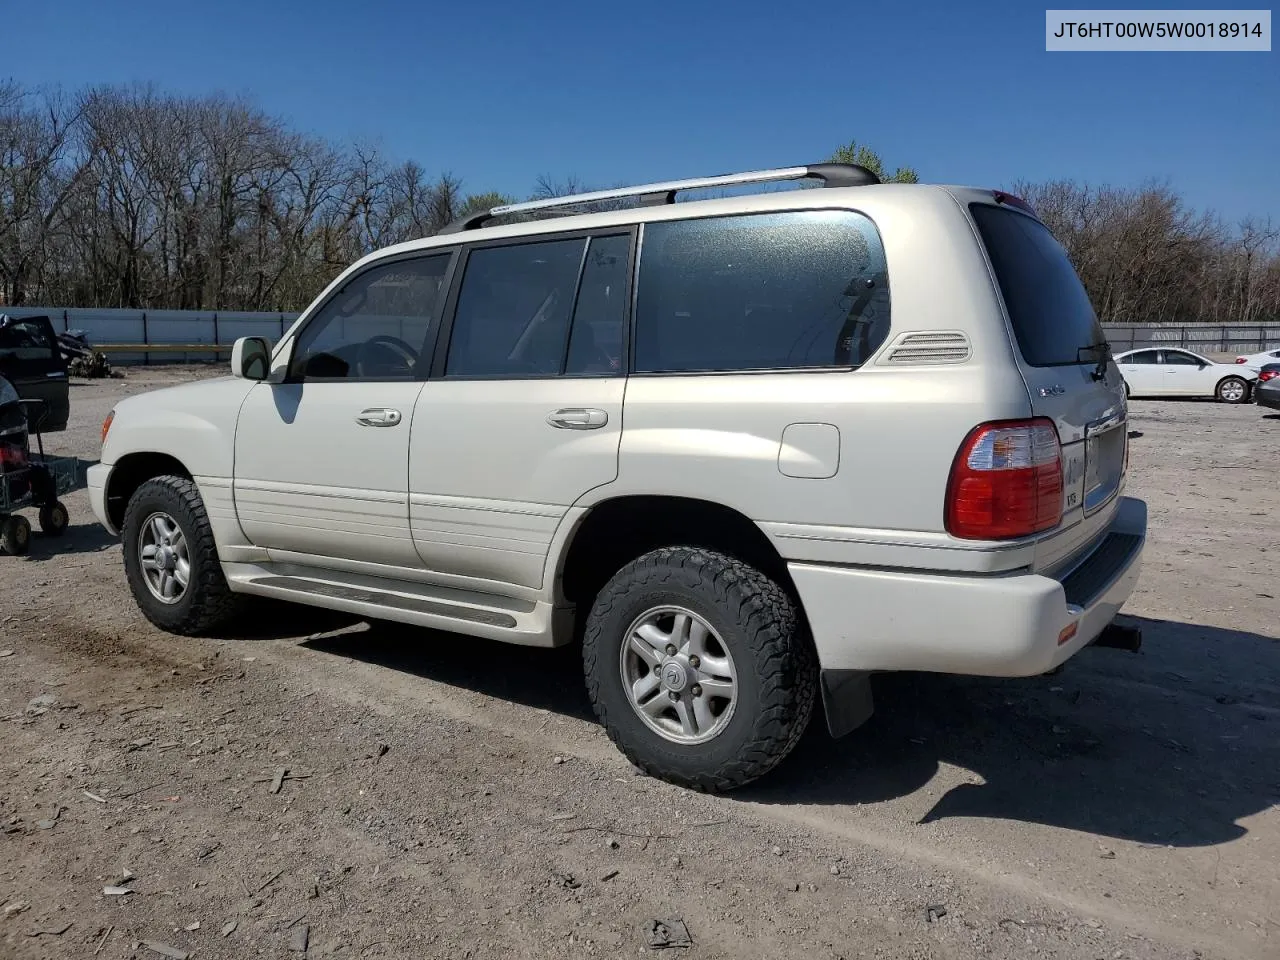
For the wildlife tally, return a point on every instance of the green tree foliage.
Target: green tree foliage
(864, 156)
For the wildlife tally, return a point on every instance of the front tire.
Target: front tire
(171, 560)
(699, 668)
(1232, 390)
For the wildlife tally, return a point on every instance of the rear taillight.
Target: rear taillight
(1006, 481)
(1266, 375)
(1242, 359)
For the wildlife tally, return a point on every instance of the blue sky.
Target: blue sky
(499, 92)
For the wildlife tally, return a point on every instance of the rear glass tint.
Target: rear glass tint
(1052, 318)
(778, 291)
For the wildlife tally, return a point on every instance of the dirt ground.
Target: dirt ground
(448, 797)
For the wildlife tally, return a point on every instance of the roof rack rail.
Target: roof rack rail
(656, 194)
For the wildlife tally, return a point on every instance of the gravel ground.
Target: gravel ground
(449, 797)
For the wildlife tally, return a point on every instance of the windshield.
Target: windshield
(1052, 318)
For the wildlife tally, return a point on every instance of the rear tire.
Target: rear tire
(1232, 390)
(171, 560)
(15, 535)
(757, 657)
(54, 519)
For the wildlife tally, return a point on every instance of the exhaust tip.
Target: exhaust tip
(1117, 636)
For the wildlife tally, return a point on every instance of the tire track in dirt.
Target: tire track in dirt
(1019, 804)
(459, 782)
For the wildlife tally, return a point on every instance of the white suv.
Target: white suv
(746, 450)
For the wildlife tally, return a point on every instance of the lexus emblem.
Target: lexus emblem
(1056, 390)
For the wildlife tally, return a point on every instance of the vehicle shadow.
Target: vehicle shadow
(1166, 747)
(1174, 745)
(531, 676)
(80, 538)
(268, 619)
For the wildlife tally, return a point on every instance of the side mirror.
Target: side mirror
(251, 358)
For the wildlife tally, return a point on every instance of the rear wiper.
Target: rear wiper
(1103, 352)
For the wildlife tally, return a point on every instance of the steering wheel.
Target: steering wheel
(405, 357)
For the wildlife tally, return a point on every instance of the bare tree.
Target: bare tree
(133, 196)
(1144, 256)
(35, 182)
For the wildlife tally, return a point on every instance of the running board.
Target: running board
(383, 598)
(526, 622)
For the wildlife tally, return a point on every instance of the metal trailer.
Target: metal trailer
(38, 485)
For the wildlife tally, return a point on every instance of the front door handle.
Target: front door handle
(378, 417)
(578, 418)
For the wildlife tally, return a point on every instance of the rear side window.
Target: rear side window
(512, 318)
(1053, 320)
(600, 315)
(1142, 357)
(778, 291)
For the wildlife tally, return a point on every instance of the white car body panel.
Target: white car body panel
(461, 515)
(1256, 361)
(195, 424)
(310, 478)
(491, 478)
(1199, 379)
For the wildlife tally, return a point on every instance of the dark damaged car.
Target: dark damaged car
(31, 360)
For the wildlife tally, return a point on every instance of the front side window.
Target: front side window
(379, 326)
(776, 291)
(512, 318)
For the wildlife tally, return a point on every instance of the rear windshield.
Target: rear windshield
(1052, 317)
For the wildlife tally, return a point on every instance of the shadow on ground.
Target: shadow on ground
(267, 619)
(535, 677)
(82, 538)
(1173, 745)
(1117, 744)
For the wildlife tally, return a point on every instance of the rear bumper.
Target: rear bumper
(1005, 626)
(1267, 398)
(96, 478)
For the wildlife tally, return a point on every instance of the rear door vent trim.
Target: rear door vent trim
(929, 347)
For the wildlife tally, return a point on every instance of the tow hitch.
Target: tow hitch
(1120, 637)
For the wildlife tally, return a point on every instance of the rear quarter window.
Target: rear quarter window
(777, 291)
(1049, 309)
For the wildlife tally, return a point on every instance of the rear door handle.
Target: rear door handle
(578, 418)
(378, 417)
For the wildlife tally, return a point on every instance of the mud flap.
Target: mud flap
(846, 698)
(1118, 636)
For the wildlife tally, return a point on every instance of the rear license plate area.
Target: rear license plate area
(1103, 462)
